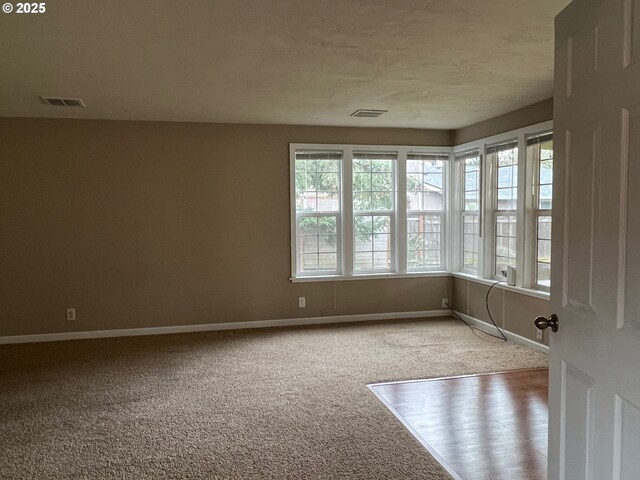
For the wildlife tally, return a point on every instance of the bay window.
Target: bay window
(361, 211)
(502, 216)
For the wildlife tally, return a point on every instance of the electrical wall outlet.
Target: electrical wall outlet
(445, 301)
(539, 334)
(302, 302)
(71, 314)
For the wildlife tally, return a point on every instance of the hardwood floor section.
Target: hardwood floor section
(480, 427)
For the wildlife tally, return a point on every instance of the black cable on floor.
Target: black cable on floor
(486, 302)
(473, 328)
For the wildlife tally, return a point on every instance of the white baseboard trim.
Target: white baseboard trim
(209, 327)
(486, 327)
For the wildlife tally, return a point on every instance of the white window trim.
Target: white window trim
(451, 217)
(393, 215)
(294, 220)
(533, 212)
(483, 281)
(457, 190)
(445, 233)
(399, 232)
(524, 279)
(492, 212)
(376, 276)
(441, 274)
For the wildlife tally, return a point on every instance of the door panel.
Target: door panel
(626, 460)
(582, 164)
(583, 52)
(632, 32)
(577, 430)
(629, 313)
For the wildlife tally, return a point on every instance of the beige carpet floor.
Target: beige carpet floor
(288, 403)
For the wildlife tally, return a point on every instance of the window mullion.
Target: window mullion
(531, 219)
(520, 212)
(456, 193)
(293, 214)
(487, 218)
(446, 236)
(401, 212)
(347, 211)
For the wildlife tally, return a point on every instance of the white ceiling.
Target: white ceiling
(431, 63)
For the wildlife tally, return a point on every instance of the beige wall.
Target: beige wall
(143, 224)
(140, 224)
(530, 115)
(512, 311)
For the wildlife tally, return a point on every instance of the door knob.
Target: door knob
(544, 322)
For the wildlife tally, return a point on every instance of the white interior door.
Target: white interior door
(594, 398)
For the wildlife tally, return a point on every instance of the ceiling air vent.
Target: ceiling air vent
(63, 102)
(363, 112)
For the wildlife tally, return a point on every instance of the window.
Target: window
(471, 183)
(504, 158)
(368, 210)
(318, 218)
(425, 211)
(540, 151)
(507, 193)
(374, 211)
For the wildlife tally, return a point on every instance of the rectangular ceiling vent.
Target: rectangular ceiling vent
(367, 113)
(63, 102)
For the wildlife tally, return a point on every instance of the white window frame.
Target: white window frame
(392, 214)
(399, 221)
(443, 214)
(534, 212)
(296, 216)
(458, 206)
(493, 209)
(524, 211)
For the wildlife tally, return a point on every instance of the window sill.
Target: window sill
(373, 276)
(389, 276)
(524, 291)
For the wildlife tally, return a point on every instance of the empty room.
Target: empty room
(294, 239)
